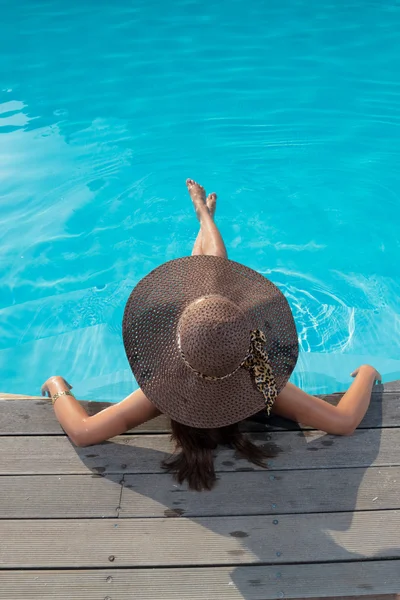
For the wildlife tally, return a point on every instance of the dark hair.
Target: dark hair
(195, 461)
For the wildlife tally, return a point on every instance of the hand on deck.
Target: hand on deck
(54, 385)
(367, 370)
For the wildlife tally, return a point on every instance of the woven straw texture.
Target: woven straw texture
(160, 322)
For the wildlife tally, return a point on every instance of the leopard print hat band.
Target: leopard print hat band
(257, 363)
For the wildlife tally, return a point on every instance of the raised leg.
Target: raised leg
(211, 203)
(209, 240)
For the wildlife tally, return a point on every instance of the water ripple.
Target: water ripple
(291, 114)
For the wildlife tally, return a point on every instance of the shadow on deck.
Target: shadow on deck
(106, 522)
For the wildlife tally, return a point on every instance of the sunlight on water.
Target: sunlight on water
(290, 113)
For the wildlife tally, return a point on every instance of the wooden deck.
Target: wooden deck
(105, 523)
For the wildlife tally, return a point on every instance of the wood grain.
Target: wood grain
(41, 455)
(106, 543)
(373, 580)
(59, 496)
(263, 493)
(36, 417)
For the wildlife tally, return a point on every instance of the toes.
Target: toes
(211, 199)
(190, 183)
(211, 203)
(195, 189)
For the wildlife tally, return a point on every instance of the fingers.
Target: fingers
(368, 369)
(68, 385)
(53, 384)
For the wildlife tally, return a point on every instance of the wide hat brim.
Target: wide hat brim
(150, 337)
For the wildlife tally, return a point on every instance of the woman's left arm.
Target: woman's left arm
(84, 430)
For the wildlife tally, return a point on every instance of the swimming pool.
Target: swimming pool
(289, 111)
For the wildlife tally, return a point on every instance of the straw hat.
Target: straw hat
(209, 341)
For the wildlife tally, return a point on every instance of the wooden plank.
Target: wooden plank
(69, 496)
(260, 493)
(253, 493)
(391, 386)
(62, 497)
(38, 455)
(383, 411)
(374, 580)
(106, 543)
(36, 417)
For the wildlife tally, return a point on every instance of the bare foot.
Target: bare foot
(211, 202)
(198, 196)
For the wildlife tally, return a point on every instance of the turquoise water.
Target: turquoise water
(290, 111)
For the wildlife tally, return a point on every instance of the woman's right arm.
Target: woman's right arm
(85, 430)
(342, 419)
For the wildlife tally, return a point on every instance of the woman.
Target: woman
(210, 342)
